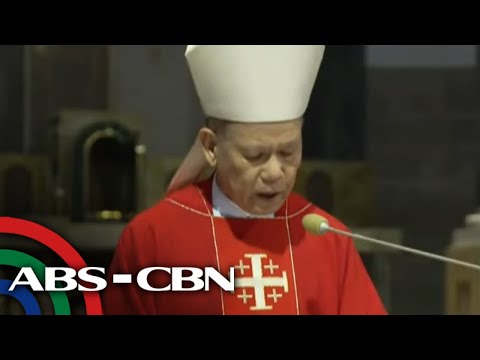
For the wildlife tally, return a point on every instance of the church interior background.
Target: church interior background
(91, 134)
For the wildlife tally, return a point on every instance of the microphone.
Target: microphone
(318, 225)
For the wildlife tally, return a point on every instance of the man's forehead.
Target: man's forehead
(254, 123)
(281, 132)
(264, 126)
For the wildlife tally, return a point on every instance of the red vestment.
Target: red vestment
(279, 267)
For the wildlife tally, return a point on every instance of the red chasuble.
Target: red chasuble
(279, 267)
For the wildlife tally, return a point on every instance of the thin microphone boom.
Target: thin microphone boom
(318, 225)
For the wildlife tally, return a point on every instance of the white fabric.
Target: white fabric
(254, 83)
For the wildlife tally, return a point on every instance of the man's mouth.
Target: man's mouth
(268, 196)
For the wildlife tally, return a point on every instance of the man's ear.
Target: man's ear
(208, 139)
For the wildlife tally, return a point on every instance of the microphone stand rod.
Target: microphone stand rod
(404, 248)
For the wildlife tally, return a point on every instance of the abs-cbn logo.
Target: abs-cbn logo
(68, 279)
(32, 275)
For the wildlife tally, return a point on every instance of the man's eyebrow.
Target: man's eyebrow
(290, 143)
(252, 147)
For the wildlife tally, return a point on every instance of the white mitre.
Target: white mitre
(251, 84)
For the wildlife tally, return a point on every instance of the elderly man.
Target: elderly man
(244, 216)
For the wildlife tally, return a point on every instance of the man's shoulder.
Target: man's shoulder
(302, 207)
(298, 204)
(170, 207)
(156, 226)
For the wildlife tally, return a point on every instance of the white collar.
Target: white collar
(224, 207)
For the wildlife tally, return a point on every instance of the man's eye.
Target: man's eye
(253, 157)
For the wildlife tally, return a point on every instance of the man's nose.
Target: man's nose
(273, 171)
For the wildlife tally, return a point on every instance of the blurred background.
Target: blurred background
(91, 134)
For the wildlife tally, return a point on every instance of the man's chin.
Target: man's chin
(265, 208)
